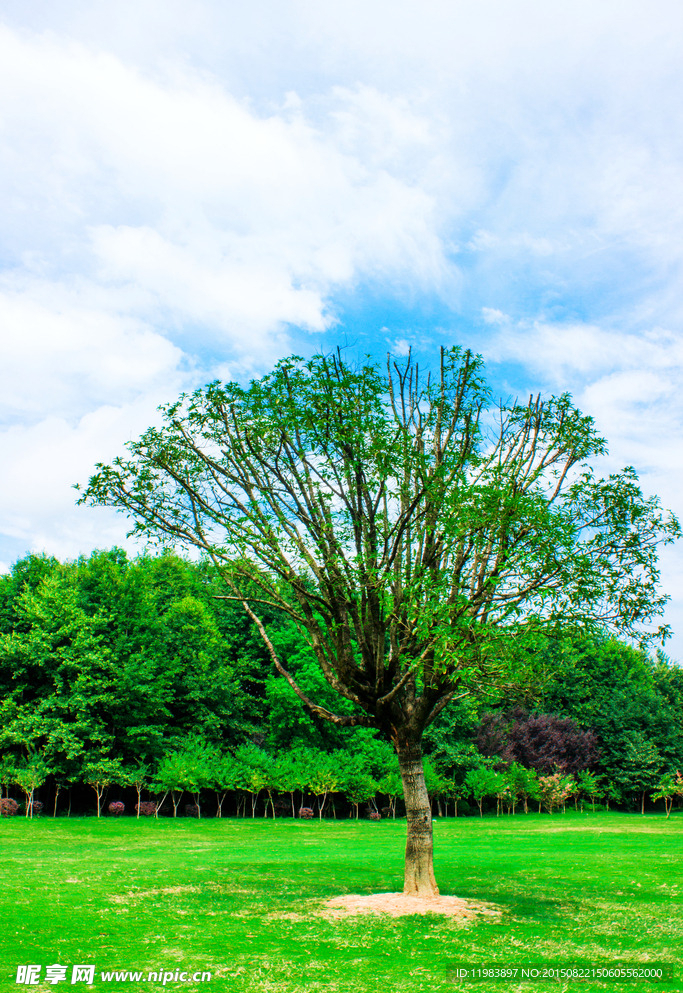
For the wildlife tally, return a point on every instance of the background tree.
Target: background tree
(323, 776)
(254, 771)
(588, 784)
(137, 776)
(669, 786)
(555, 790)
(172, 777)
(391, 786)
(99, 773)
(358, 784)
(220, 774)
(542, 742)
(406, 527)
(616, 691)
(481, 783)
(640, 769)
(29, 775)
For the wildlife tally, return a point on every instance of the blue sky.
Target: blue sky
(192, 191)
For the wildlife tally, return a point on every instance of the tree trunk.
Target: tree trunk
(419, 865)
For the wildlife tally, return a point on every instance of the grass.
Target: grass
(239, 898)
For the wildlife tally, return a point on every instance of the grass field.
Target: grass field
(240, 899)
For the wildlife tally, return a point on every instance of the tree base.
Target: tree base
(400, 904)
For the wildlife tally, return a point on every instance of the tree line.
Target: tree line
(139, 676)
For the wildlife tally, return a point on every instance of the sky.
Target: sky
(191, 191)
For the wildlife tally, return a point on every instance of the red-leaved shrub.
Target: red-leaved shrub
(8, 807)
(116, 807)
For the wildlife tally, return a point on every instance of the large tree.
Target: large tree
(407, 525)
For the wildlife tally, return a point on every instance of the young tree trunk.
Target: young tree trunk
(419, 865)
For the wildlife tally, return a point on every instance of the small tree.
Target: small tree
(137, 776)
(521, 784)
(254, 772)
(669, 786)
(7, 774)
(640, 768)
(482, 783)
(588, 784)
(222, 776)
(323, 776)
(612, 792)
(356, 782)
(290, 775)
(172, 778)
(29, 776)
(100, 774)
(555, 790)
(391, 785)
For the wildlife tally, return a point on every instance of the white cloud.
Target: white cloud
(64, 354)
(221, 212)
(41, 462)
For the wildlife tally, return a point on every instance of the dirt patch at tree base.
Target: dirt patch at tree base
(397, 904)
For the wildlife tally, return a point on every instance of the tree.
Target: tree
(542, 742)
(100, 773)
(356, 782)
(669, 786)
(483, 782)
(172, 777)
(323, 776)
(410, 529)
(391, 786)
(291, 775)
(641, 767)
(254, 772)
(555, 790)
(136, 776)
(588, 784)
(30, 775)
(616, 691)
(521, 784)
(221, 775)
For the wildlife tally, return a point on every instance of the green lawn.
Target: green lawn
(240, 899)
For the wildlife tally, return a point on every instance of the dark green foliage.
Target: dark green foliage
(631, 701)
(109, 656)
(137, 660)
